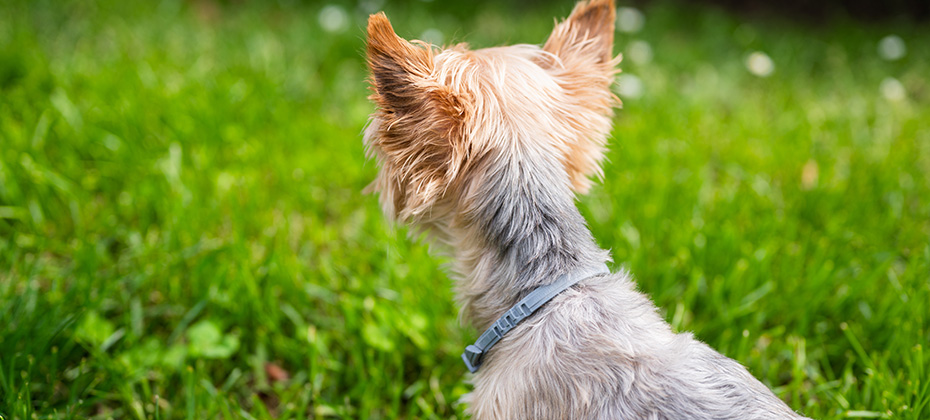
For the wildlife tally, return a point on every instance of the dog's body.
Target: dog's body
(484, 150)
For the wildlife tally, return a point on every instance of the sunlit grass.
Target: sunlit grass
(182, 232)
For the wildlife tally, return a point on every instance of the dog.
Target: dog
(484, 151)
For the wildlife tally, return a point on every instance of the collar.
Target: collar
(474, 353)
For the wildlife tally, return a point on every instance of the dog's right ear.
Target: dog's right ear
(585, 66)
(420, 122)
(587, 34)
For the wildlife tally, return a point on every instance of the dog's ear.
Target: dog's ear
(585, 67)
(397, 67)
(417, 138)
(587, 34)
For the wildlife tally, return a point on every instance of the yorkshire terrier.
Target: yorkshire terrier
(483, 151)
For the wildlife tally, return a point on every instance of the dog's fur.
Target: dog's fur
(484, 150)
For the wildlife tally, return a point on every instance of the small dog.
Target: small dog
(484, 150)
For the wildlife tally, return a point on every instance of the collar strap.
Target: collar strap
(474, 353)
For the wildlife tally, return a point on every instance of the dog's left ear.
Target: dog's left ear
(583, 44)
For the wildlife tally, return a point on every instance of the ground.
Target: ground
(183, 233)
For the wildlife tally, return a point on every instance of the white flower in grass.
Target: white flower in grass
(630, 86)
(630, 19)
(759, 64)
(333, 18)
(892, 89)
(433, 36)
(640, 52)
(892, 48)
(370, 6)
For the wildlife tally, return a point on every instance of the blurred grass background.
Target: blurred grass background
(182, 232)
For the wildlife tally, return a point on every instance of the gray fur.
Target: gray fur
(530, 233)
(598, 350)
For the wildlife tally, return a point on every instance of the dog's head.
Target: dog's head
(445, 116)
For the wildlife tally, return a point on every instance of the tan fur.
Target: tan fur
(484, 150)
(583, 43)
(438, 112)
(420, 143)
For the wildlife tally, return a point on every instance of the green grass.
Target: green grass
(180, 211)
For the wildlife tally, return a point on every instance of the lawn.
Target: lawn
(183, 233)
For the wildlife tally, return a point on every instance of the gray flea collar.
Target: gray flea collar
(474, 353)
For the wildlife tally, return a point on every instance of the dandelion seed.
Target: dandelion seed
(630, 86)
(640, 52)
(759, 64)
(333, 18)
(892, 48)
(370, 6)
(433, 36)
(629, 19)
(892, 89)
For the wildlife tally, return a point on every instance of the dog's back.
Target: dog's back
(600, 351)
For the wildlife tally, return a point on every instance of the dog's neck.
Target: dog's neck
(519, 230)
